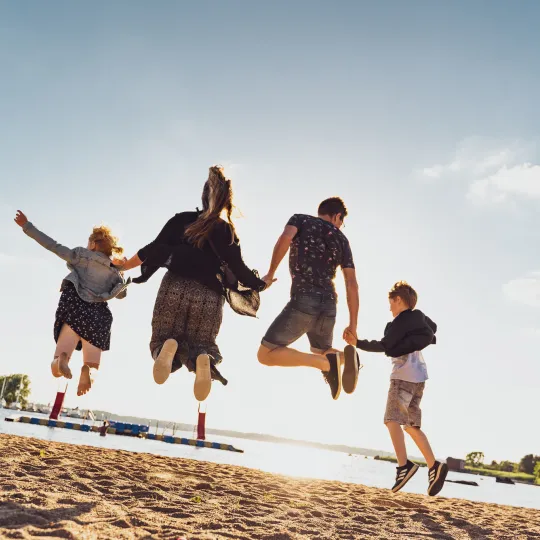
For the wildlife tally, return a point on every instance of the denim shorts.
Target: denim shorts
(307, 313)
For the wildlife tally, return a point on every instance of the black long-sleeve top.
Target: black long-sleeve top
(410, 331)
(170, 249)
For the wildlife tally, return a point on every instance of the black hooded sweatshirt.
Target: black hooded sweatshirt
(410, 331)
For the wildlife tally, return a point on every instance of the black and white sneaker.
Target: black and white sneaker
(350, 369)
(333, 377)
(437, 476)
(404, 474)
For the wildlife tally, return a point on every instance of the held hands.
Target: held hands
(119, 263)
(269, 279)
(349, 335)
(20, 219)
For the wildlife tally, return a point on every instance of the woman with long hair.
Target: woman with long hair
(201, 251)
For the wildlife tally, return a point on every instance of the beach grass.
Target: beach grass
(517, 476)
(392, 459)
(520, 477)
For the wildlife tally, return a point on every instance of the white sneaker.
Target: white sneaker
(203, 377)
(163, 363)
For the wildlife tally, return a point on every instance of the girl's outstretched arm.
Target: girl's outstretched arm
(69, 255)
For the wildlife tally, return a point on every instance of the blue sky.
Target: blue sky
(422, 115)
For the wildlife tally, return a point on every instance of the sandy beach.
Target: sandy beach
(56, 490)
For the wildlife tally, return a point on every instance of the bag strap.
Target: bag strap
(213, 248)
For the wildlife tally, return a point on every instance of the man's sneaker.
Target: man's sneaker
(404, 474)
(437, 476)
(164, 361)
(333, 377)
(203, 377)
(351, 369)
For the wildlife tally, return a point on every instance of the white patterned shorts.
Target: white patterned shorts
(403, 404)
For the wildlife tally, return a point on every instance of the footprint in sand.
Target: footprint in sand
(364, 519)
(211, 526)
(121, 523)
(412, 506)
(204, 486)
(51, 533)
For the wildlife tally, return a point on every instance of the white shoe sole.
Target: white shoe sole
(350, 370)
(163, 363)
(203, 378)
(410, 474)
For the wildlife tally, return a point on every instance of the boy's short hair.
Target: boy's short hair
(332, 207)
(405, 292)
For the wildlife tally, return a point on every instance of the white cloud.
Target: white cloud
(525, 290)
(5, 258)
(521, 180)
(433, 172)
(496, 172)
(530, 332)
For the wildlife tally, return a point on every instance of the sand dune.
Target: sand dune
(55, 490)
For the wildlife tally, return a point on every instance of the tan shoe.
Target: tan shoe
(164, 361)
(203, 377)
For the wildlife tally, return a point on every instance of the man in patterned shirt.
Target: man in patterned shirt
(317, 248)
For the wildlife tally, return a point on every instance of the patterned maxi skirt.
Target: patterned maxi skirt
(190, 313)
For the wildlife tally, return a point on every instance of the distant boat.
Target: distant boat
(464, 482)
(45, 409)
(30, 407)
(504, 480)
(74, 413)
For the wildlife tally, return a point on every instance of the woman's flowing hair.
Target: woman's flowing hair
(217, 201)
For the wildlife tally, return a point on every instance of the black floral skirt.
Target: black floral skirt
(92, 321)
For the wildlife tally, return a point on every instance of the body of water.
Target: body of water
(289, 460)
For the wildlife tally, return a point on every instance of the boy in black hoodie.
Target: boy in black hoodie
(404, 338)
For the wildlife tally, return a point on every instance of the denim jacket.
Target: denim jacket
(92, 273)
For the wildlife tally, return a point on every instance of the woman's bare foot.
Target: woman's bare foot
(85, 381)
(54, 368)
(60, 366)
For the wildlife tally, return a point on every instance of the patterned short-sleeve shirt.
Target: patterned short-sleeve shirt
(316, 252)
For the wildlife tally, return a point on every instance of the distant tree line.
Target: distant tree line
(16, 389)
(529, 464)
